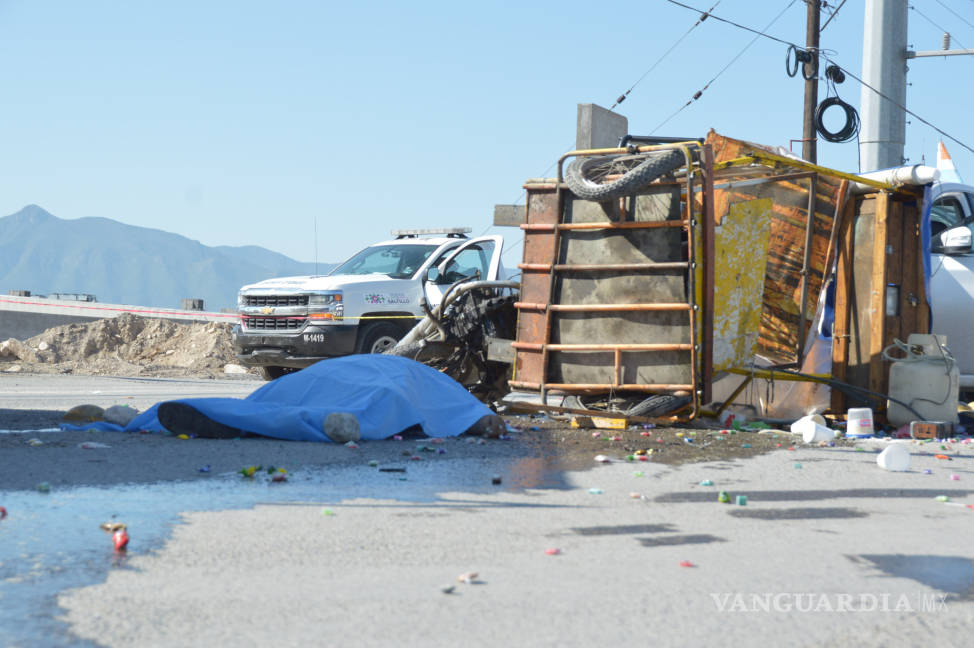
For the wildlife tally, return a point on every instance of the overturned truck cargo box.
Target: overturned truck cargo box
(715, 261)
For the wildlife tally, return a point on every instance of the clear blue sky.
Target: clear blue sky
(241, 123)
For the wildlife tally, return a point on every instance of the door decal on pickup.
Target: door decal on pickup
(314, 337)
(386, 298)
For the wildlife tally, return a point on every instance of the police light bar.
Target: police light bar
(456, 232)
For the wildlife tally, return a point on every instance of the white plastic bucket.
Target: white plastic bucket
(813, 429)
(860, 421)
(895, 457)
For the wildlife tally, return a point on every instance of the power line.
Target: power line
(702, 18)
(964, 20)
(699, 92)
(830, 60)
(822, 28)
(900, 106)
(739, 26)
(946, 31)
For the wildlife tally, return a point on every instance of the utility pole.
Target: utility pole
(883, 133)
(809, 135)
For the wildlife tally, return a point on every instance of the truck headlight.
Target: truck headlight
(241, 300)
(325, 306)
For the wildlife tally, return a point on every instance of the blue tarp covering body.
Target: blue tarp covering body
(386, 393)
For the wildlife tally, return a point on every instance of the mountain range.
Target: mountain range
(124, 264)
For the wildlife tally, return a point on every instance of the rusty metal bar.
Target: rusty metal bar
(628, 225)
(709, 254)
(603, 308)
(612, 308)
(665, 346)
(568, 387)
(603, 267)
(538, 306)
(692, 286)
(809, 232)
(617, 373)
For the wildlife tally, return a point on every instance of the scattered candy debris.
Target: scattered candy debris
(468, 577)
(34, 442)
(942, 457)
(3, 512)
(184, 437)
(686, 563)
(707, 482)
(635, 495)
(797, 465)
(742, 500)
(397, 437)
(927, 471)
(352, 445)
(595, 491)
(943, 498)
(373, 463)
(92, 445)
(638, 473)
(745, 445)
(553, 551)
(44, 487)
(723, 497)
(205, 469)
(327, 512)
(249, 471)
(955, 477)
(602, 459)
(448, 589)
(120, 539)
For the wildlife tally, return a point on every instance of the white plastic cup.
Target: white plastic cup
(860, 423)
(813, 429)
(895, 457)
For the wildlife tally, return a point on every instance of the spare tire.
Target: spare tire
(584, 174)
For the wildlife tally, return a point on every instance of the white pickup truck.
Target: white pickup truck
(365, 305)
(952, 273)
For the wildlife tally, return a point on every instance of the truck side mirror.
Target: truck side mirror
(956, 240)
(432, 274)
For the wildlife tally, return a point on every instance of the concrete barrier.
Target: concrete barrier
(24, 317)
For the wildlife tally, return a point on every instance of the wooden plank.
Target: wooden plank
(877, 293)
(843, 301)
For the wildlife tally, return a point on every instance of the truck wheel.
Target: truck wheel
(273, 373)
(378, 337)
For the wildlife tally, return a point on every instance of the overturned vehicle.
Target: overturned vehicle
(662, 280)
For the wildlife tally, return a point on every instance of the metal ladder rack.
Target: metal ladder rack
(541, 305)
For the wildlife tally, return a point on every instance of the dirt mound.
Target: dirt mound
(127, 345)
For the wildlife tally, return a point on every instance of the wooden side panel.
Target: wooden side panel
(876, 321)
(844, 299)
(780, 331)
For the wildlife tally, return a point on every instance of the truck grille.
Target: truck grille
(273, 323)
(275, 300)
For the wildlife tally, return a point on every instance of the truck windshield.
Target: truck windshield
(397, 261)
